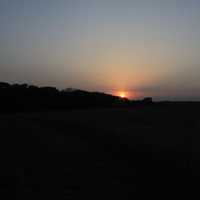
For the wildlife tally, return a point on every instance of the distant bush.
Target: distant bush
(23, 97)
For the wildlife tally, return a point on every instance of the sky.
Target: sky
(138, 47)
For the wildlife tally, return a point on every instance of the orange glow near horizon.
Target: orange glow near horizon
(122, 95)
(125, 94)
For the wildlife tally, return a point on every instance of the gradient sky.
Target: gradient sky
(141, 47)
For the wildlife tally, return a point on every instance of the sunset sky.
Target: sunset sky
(136, 47)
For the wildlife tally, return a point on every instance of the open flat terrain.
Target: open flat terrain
(100, 153)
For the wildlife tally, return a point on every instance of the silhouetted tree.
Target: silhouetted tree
(24, 97)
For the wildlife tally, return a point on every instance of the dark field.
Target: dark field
(125, 153)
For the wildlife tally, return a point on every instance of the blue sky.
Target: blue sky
(142, 47)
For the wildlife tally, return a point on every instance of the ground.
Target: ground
(100, 153)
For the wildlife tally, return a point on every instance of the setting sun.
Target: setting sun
(122, 95)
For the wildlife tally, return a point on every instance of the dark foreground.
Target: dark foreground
(126, 153)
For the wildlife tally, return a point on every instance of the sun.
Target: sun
(122, 95)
